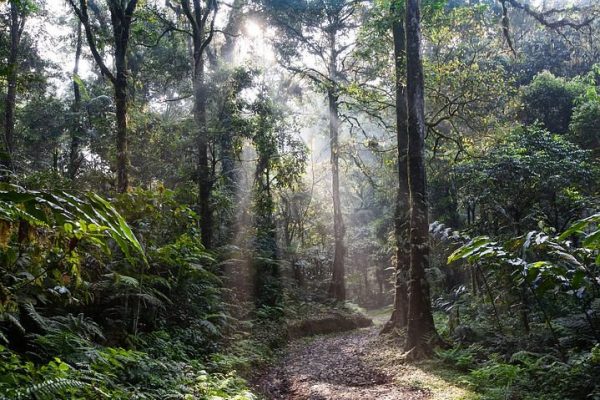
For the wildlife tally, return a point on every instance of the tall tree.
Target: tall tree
(16, 22)
(323, 29)
(121, 16)
(201, 17)
(421, 331)
(337, 287)
(268, 287)
(75, 156)
(401, 220)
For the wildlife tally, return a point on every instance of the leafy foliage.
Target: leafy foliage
(532, 176)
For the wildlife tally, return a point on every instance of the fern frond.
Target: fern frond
(40, 320)
(50, 388)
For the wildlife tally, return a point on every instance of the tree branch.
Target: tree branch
(82, 14)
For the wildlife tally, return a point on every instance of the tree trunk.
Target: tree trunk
(402, 220)
(421, 333)
(204, 182)
(121, 33)
(75, 154)
(16, 29)
(197, 17)
(337, 288)
(122, 151)
(121, 14)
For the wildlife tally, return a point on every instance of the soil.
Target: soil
(335, 367)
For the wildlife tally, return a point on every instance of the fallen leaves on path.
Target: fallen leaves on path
(334, 368)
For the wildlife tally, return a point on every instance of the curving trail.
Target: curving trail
(336, 367)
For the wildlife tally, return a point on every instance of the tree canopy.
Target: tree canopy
(187, 186)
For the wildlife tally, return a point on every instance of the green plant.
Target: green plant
(464, 359)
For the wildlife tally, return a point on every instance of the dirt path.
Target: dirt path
(336, 367)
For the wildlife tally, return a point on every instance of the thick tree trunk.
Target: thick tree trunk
(75, 154)
(202, 34)
(16, 29)
(402, 220)
(121, 111)
(337, 288)
(421, 333)
(204, 181)
(121, 26)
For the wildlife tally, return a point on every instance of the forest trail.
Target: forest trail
(354, 365)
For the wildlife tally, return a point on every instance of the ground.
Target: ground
(355, 365)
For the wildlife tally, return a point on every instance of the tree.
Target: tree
(532, 176)
(121, 16)
(280, 164)
(550, 100)
(16, 23)
(321, 29)
(401, 217)
(264, 137)
(584, 128)
(201, 18)
(421, 328)
(75, 156)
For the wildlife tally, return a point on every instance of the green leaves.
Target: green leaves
(578, 228)
(477, 248)
(591, 239)
(63, 211)
(542, 262)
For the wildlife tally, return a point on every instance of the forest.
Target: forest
(300, 199)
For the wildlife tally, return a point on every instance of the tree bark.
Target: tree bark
(202, 35)
(204, 181)
(75, 154)
(337, 288)
(17, 22)
(121, 22)
(421, 333)
(402, 220)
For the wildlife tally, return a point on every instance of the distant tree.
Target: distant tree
(264, 137)
(533, 176)
(585, 126)
(280, 163)
(321, 28)
(551, 100)
(41, 125)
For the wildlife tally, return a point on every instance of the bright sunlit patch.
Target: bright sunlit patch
(252, 29)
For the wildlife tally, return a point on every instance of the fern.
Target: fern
(41, 321)
(51, 388)
(57, 209)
